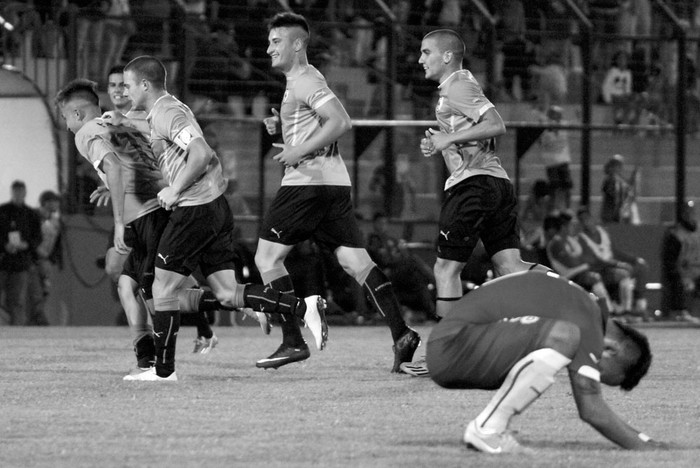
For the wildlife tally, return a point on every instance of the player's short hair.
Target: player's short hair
(116, 69)
(640, 368)
(78, 89)
(289, 20)
(148, 68)
(448, 41)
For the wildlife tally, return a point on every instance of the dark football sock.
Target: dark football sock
(291, 333)
(166, 324)
(145, 350)
(381, 294)
(265, 299)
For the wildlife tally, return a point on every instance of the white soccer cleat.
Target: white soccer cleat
(204, 345)
(260, 317)
(150, 376)
(503, 442)
(315, 320)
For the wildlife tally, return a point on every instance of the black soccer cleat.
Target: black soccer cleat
(404, 348)
(284, 355)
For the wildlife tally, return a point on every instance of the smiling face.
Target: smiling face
(432, 59)
(115, 90)
(134, 89)
(282, 47)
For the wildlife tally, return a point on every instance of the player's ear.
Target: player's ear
(447, 56)
(610, 347)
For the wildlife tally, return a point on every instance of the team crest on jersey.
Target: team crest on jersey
(286, 93)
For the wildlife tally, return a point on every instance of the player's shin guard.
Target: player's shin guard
(265, 299)
(166, 324)
(381, 293)
(280, 280)
(526, 381)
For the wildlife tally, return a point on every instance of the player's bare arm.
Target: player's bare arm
(199, 155)
(336, 122)
(490, 125)
(110, 166)
(593, 410)
(114, 117)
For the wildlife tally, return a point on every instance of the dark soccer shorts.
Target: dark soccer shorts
(479, 356)
(143, 235)
(200, 235)
(322, 212)
(559, 177)
(480, 207)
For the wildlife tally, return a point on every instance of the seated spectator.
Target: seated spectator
(622, 273)
(617, 90)
(565, 256)
(411, 278)
(680, 267)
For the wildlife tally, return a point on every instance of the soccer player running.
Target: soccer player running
(515, 333)
(479, 198)
(124, 161)
(199, 231)
(206, 340)
(314, 200)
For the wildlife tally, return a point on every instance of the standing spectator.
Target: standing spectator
(118, 29)
(619, 204)
(48, 257)
(480, 200)
(315, 197)
(20, 235)
(617, 89)
(680, 266)
(90, 18)
(532, 233)
(556, 156)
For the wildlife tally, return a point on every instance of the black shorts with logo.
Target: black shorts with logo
(143, 235)
(480, 207)
(200, 235)
(322, 212)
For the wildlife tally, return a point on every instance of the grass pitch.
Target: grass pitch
(63, 404)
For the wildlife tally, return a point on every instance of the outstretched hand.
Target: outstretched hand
(113, 117)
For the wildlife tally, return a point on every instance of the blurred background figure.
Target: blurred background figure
(680, 267)
(619, 193)
(48, 258)
(556, 157)
(20, 235)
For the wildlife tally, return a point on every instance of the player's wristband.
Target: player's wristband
(643, 437)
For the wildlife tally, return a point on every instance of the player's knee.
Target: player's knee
(564, 337)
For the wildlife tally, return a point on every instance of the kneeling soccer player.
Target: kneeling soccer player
(515, 333)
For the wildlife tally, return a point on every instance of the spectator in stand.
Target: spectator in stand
(532, 234)
(556, 156)
(48, 258)
(680, 267)
(118, 28)
(517, 50)
(565, 256)
(622, 272)
(619, 205)
(20, 235)
(617, 89)
(549, 81)
(90, 18)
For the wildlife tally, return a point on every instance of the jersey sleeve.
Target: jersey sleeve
(314, 91)
(173, 125)
(467, 98)
(92, 142)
